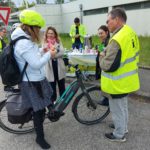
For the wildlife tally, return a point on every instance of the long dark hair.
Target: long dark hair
(105, 28)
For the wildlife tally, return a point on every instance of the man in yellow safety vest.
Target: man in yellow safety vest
(119, 71)
(77, 33)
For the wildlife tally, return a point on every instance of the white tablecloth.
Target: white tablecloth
(82, 59)
(87, 60)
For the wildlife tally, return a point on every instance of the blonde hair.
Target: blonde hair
(33, 31)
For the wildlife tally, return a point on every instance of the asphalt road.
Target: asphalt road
(145, 82)
(68, 134)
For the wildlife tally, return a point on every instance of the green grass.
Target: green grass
(145, 51)
(66, 41)
(144, 44)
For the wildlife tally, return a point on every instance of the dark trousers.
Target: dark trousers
(77, 45)
(98, 68)
(38, 119)
(61, 83)
(61, 86)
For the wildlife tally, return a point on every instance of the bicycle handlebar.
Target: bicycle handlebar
(74, 66)
(78, 72)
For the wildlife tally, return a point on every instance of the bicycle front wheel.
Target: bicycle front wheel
(84, 112)
(13, 128)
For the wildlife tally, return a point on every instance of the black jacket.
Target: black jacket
(98, 68)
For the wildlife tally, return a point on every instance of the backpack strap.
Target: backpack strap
(12, 42)
(24, 70)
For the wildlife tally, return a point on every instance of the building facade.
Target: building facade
(93, 13)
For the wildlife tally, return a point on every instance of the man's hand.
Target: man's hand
(77, 36)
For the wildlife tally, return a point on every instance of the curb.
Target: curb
(142, 94)
(144, 67)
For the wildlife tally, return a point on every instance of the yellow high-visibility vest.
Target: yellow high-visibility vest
(0, 46)
(82, 32)
(125, 79)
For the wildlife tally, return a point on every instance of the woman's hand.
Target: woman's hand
(53, 48)
(45, 47)
(53, 53)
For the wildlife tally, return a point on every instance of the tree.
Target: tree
(59, 1)
(24, 5)
(41, 1)
(62, 1)
(32, 4)
(10, 4)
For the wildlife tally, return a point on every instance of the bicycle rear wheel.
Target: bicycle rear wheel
(13, 128)
(84, 113)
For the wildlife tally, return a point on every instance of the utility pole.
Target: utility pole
(81, 12)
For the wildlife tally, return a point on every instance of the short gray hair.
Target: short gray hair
(118, 12)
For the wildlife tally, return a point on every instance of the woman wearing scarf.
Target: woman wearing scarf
(55, 68)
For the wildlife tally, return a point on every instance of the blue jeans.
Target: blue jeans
(119, 110)
(77, 45)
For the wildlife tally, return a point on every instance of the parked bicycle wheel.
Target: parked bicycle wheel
(84, 112)
(13, 128)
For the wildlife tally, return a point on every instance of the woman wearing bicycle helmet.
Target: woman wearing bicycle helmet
(35, 89)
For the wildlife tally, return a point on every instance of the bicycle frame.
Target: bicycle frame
(71, 90)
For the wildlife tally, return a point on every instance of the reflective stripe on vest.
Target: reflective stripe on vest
(129, 60)
(120, 76)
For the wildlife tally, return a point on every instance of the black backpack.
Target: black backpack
(9, 69)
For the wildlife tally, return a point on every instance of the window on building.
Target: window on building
(133, 6)
(146, 4)
(95, 11)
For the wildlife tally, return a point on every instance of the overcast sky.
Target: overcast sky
(19, 2)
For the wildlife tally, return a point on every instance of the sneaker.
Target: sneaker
(113, 127)
(112, 138)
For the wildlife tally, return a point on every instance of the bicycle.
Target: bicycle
(86, 107)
